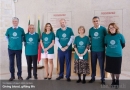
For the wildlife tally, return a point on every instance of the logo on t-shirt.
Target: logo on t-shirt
(14, 34)
(81, 43)
(63, 35)
(46, 38)
(30, 39)
(96, 34)
(112, 42)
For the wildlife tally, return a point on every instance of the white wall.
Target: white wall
(7, 11)
(82, 13)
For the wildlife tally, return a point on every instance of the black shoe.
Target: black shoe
(68, 79)
(84, 81)
(92, 80)
(28, 78)
(49, 78)
(113, 83)
(78, 81)
(45, 78)
(116, 84)
(103, 82)
(20, 78)
(58, 78)
(35, 77)
(12, 78)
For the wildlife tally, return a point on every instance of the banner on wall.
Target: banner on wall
(109, 16)
(54, 19)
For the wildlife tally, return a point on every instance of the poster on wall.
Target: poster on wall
(109, 16)
(54, 19)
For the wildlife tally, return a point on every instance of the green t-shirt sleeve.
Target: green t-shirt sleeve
(41, 36)
(75, 41)
(57, 33)
(105, 31)
(122, 39)
(88, 41)
(89, 33)
(38, 37)
(23, 33)
(7, 33)
(105, 40)
(72, 34)
(53, 38)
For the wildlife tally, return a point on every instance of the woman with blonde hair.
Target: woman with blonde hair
(47, 44)
(81, 46)
(115, 42)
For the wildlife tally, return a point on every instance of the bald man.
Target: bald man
(64, 39)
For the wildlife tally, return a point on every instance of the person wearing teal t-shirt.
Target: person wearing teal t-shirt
(81, 46)
(97, 35)
(15, 36)
(47, 44)
(31, 51)
(114, 42)
(64, 39)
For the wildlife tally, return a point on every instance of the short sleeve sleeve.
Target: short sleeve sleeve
(7, 33)
(53, 38)
(122, 39)
(72, 34)
(23, 33)
(57, 33)
(75, 41)
(88, 41)
(105, 40)
(105, 31)
(89, 33)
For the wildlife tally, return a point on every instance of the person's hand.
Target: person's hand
(66, 47)
(79, 54)
(63, 49)
(82, 55)
(45, 50)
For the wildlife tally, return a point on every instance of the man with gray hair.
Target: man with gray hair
(15, 36)
(64, 39)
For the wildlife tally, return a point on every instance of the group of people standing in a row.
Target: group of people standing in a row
(100, 41)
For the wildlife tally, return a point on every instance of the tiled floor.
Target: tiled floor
(5, 75)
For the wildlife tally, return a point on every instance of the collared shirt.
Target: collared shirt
(97, 28)
(15, 27)
(32, 33)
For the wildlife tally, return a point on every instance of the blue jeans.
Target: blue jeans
(66, 55)
(101, 58)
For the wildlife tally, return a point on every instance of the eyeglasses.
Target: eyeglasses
(111, 28)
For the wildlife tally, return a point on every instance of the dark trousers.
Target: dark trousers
(66, 55)
(32, 59)
(12, 54)
(101, 57)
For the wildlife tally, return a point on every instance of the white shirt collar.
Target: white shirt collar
(31, 33)
(96, 28)
(65, 28)
(14, 27)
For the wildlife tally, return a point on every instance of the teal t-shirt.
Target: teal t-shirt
(15, 38)
(81, 43)
(47, 40)
(97, 38)
(31, 44)
(64, 37)
(114, 47)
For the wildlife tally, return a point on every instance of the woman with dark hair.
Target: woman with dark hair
(114, 43)
(47, 44)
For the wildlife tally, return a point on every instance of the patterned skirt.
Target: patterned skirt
(81, 67)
